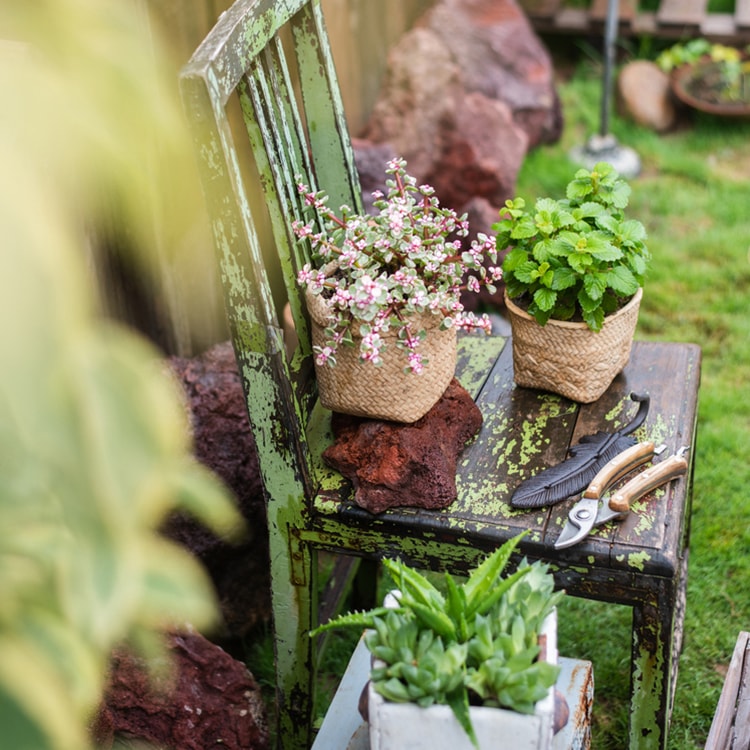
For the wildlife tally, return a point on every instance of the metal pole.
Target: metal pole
(603, 146)
(610, 36)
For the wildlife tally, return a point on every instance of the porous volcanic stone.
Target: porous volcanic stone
(223, 441)
(499, 55)
(393, 464)
(207, 700)
(466, 93)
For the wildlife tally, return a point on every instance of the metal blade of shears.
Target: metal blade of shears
(581, 519)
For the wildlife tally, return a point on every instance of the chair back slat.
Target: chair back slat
(276, 134)
(269, 62)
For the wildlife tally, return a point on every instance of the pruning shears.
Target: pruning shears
(594, 510)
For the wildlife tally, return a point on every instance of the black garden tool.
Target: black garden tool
(573, 475)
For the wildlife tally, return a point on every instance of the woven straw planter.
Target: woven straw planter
(384, 392)
(568, 358)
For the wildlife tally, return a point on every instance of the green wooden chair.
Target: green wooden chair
(261, 95)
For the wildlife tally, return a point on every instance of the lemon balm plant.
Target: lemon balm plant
(575, 258)
(573, 273)
(477, 644)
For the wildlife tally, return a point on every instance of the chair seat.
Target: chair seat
(524, 431)
(640, 562)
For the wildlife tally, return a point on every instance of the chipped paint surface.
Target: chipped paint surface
(638, 560)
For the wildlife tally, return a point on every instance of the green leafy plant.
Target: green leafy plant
(477, 643)
(576, 258)
(95, 445)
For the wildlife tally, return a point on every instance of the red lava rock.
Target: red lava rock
(392, 464)
(466, 93)
(208, 700)
(482, 153)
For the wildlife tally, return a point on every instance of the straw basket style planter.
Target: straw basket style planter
(386, 391)
(406, 726)
(568, 358)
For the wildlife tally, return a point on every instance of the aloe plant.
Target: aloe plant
(474, 644)
(576, 258)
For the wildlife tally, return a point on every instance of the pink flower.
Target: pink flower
(302, 230)
(325, 354)
(306, 274)
(415, 362)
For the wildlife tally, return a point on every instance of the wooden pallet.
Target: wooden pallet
(675, 19)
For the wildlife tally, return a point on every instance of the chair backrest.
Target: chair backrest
(268, 64)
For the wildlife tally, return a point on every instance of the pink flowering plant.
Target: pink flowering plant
(377, 271)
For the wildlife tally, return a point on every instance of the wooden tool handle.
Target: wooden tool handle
(663, 472)
(618, 467)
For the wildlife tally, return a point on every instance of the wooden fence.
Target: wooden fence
(674, 19)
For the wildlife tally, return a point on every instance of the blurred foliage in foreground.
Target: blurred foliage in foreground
(94, 441)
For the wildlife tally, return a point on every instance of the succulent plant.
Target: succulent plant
(476, 643)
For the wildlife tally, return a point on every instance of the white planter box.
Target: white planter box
(406, 726)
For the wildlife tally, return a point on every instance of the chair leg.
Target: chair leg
(294, 602)
(653, 670)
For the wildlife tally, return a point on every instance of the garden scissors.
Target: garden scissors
(591, 511)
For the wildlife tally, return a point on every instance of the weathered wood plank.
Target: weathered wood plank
(742, 14)
(626, 11)
(682, 12)
(572, 19)
(741, 738)
(718, 26)
(723, 724)
(672, 20)
(541, 9)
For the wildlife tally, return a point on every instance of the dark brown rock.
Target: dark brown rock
(206, 699)
(481, 155)
(419, 94)
(392, 464)
(500, 56)
(481, 215)
(224, 442)
(471, 77)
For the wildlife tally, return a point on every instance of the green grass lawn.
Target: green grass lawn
(694, 198)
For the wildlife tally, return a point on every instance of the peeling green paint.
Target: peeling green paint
(648, 682)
